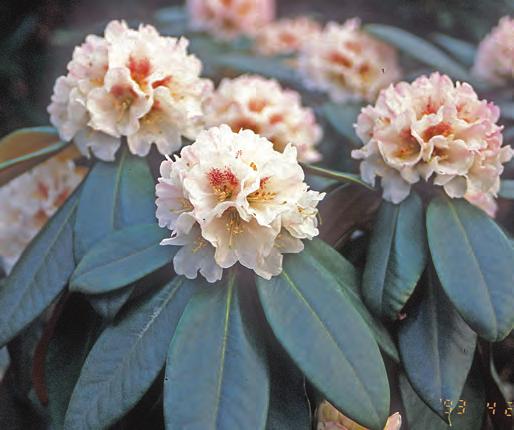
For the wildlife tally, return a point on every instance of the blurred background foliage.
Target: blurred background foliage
(35, 45)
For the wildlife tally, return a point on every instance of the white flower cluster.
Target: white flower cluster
(262, 105)
(230, 197)
(28, 201)
(129, 83)
(347, 63)
(433, 128)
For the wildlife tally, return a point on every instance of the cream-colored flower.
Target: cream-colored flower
(347, 63)
(329, 418)
(262, 105)
(286, 36)
(130, 83)
(28, 201)
(228, 19)
(230, 197)
(494, 61)
(433, 128)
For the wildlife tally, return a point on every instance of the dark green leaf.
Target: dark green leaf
(475, 264)
(507, 189)
(317, 324)
(466, 414)
(418, 48)
(74, 335)
(121, 258)
(342, 117)
(216, 376)
(115, 195)
(436, 346)
(349, 282)
(41, 273)
(335, 175)
(126, 358)
(463, 51)
(396, 258)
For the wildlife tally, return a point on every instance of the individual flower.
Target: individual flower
(132, 84)
(329, 418)
(433, 128)
(286, 36)
(28, 201)
(230, 197)
(227, 19)
(262, 105)
(347, 63)
(494, 61)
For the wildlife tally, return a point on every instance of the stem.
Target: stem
(335, 175)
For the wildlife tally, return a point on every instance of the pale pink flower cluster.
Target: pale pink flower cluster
(28, 201)
(230, 197)
(494, 62)
(433, 128)
(262, 105)
(286, 36)
(347, 63)
(130, 83)
(227, 19)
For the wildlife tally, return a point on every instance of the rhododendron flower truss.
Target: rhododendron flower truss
(494, 61)
(227, 19)
(286, 36)
(433, 129)
(262, 105)
(132, 84)
(230, 197)
(347, 63)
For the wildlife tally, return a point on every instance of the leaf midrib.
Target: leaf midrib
(475, 260)
(129, 354)
(49, 248)
(314, 313)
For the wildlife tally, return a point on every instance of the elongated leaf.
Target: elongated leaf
(475, 264)
(466, 414)
(342, 117)
(418, 48)
(215, 366)
(507, 189)
(41, 273)
(23, 149)
(463, 51)
(324, 334)
(349, 282)
(126, 359)
(116, 195)
(121, 258)
(396, 258)
(335, 175)
(437, 347)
